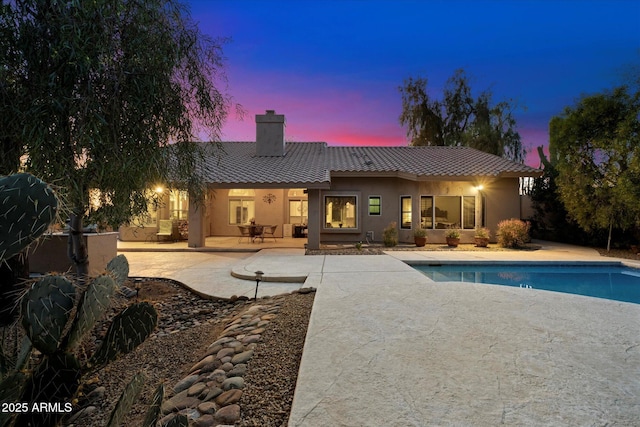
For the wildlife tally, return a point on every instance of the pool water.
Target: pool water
(610, 281)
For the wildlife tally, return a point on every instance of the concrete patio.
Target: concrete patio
(387, 346)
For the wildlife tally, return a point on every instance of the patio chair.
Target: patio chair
(257, 232)
(244, 232)
(270, 230)
(167, 231)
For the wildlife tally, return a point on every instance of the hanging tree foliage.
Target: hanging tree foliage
(459, 119)
(109, 95)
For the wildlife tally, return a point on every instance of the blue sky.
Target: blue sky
(333, 67)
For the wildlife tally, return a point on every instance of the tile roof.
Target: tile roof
(425, 162)
(237, 163)
(311, 164)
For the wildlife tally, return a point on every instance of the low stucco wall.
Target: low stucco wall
(50, 254)
(138, 234)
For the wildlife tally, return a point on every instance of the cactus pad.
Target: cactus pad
(127, 398)
(153, 413)
(56, 379)
(127, 331)
(45, 311)
(27, 207)
(118, 267)
(93, 304)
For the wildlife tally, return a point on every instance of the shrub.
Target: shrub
(452, 233)
(513, 233)
(482, 232)
(420, 232)
(390, 235)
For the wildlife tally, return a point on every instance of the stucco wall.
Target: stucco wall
(501, 197)
(274, 213)
(503, 202)
(50, 254)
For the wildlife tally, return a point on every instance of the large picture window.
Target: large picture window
(405, 212)
(341, 212)
(448, 212)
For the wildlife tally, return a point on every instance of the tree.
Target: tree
(551, 220)
(108, 95)
(598, 159)
(459, 119)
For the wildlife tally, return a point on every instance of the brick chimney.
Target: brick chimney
(270, 134)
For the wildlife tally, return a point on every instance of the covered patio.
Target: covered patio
(215, 244)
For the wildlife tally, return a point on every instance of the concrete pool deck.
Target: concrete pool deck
(395, 349)
(386, 346)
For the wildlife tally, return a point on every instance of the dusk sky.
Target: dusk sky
(333, 67)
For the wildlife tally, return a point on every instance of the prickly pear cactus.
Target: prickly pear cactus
(118, 267)
(153, 413)
(55, 379)
(46, 308)
(127, 330)
(28, 206)
(127, 398)
(93, 304)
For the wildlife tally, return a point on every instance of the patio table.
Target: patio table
(255, 231)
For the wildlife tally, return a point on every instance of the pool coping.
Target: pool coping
(617, 263)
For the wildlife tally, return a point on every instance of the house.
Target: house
(346, 194)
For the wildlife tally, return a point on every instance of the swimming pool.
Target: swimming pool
(603, 280)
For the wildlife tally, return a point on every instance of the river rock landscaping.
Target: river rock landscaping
(223, 362)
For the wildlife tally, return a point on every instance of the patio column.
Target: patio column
(313, 224)
(196, 223)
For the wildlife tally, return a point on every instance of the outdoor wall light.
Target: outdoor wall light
(259, 275)
(479, 187)
(159, 189)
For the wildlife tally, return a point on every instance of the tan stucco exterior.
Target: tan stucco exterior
(498, 200)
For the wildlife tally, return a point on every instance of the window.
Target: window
(469, 212)
(298, 211)
(149, 218)
(405, 212)
(426, 212)
(375, 205)
(298, 206)
(340, 212)
(178, 204)
(448, 212)
(241, 206)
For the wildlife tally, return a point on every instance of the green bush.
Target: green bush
(513, 233)
(390, 235)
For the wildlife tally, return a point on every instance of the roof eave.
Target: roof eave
(533, 174)
(322, 185)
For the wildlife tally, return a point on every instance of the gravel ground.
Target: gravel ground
(273, 370)
(187, 325)
(619, 253)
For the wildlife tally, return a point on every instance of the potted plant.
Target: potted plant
(482, 237)
(453, 237)
(420, 237)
